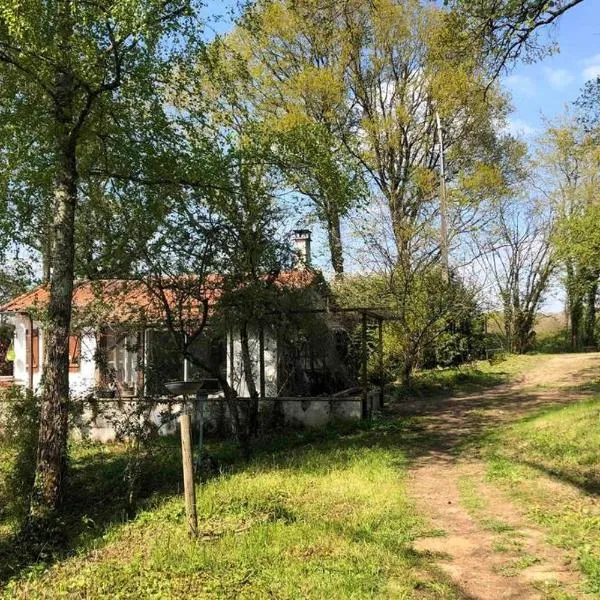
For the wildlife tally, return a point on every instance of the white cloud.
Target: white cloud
(592, 67)
(519, 127)
(558, 78)
(591, 72)
(592, 60)
(520, 84)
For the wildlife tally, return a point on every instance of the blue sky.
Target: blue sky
(542, 89)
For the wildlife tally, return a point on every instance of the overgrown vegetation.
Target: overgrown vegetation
(19, 423)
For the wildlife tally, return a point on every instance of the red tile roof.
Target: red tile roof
(123, 300)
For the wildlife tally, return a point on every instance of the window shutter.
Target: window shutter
(74, 352)
(36, 349)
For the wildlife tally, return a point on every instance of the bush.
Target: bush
(19, 425)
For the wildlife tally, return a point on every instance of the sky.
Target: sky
(542, 90)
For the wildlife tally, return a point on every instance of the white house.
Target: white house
(128, 352)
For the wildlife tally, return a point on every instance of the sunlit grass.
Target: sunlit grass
(550, 463)
(328, 518)
(472, 377)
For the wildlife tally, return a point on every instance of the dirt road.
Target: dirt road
(487, 546)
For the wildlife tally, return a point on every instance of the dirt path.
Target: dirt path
(487, 547)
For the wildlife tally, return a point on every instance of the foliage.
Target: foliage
(19, 423)
(568, 161)
(6, 337)
(511, 30)
(292, 83)
(588, 107)
(433, 321)
(516, 251)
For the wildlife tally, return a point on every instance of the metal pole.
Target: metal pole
(201, 398)
(189, 489)
(261, 361)
(444, 245)
(186, 363)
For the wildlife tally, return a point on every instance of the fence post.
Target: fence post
(189, 489)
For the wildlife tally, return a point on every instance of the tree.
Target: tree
(517, 253)
(68, 69)
(422, 323)
(510, 30)
(215, 268)
(567, 164)
(277, 91)
(293, 54)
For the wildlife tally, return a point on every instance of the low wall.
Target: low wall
(103, 419)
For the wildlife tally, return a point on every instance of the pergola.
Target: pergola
(375, 314)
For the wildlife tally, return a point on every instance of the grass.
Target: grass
(318, 515)
(548, 462)
(469, 378)
(314, 514)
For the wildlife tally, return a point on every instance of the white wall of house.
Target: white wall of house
(80, 380)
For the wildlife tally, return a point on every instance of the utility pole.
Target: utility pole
(444, 246)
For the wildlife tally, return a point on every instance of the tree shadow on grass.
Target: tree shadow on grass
(444, 383)
(96, 498)
(588, 484)
(434, 428)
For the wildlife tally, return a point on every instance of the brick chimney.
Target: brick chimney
(302, 248)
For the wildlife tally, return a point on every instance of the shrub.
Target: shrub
(19, 425)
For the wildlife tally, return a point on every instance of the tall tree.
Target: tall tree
(70, 67)
(277, 70)
(567, 163)
(510, 29)
(518, 256)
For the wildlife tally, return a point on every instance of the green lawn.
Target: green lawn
(469, 378)
(326, 516)
(550, 464)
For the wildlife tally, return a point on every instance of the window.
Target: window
(32, 345)
(117, 360)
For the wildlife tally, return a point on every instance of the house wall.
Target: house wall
(80, 380)
(308, 412)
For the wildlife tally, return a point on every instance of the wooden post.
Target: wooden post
(381, 370)
(189, 490)
(365, 383)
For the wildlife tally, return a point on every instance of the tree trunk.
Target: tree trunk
(574, 306)
(252, 418)
(52, 441)
(589, 325)
(334, 235)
